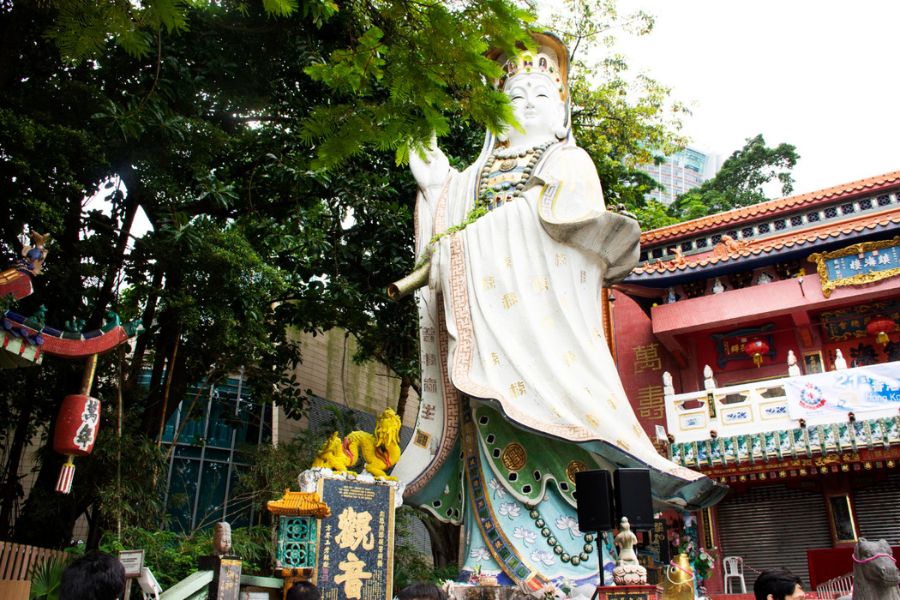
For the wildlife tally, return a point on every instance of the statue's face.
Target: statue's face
(536, 104)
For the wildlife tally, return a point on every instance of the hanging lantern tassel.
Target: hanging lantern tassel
(66, 476)
(755, 349)
(880, 328)
(75, 434)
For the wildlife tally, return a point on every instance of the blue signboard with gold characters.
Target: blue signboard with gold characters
(858, 264)
(355, 558)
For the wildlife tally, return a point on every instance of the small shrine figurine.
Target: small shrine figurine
(840, 363)
(709, 382)
(718, 287)
(793, 368)
(222, 539)
(628, 570)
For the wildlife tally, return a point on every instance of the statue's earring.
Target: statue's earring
(561, 133)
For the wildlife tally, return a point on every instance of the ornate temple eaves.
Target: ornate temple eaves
(771, 208)
(831, 448)
(727, 253)
(299, 504)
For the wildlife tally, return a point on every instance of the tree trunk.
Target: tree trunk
(404, 396)
(444, 541)
(105, 296)
(11, 487)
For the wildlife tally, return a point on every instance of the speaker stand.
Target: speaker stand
(600, 565)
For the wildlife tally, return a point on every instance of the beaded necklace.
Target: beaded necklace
(505, 173)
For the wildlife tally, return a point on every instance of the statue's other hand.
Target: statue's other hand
(429, 165)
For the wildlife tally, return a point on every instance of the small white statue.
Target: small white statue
(763, 278)
(709, 382)
(793, 367)
(628, 570)
(839, 362)
(668, 386)
(671, 296)
(717, 287)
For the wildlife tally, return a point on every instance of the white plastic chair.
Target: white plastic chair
(734, 568)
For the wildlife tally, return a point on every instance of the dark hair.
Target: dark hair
(303, 590)
(421, 591)
(94, 576)
(778, 582)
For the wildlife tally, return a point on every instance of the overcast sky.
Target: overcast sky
(822, 75)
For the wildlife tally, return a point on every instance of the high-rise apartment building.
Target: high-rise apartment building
(681, 172)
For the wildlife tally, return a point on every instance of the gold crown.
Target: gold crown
(545, 61)
(532, 63)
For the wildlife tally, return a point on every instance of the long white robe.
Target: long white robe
(520, 291)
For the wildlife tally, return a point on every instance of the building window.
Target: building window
(865, 204)
(686, 246)
(747, 232)
(796, 221)
(643, 257)
(780, 224)
(657, 252)
(716, 238)
(831, 212)
(847, 208)
(765, 228)
(884, 200)
(210, 430)
(812, 217)
(701, 243)
(733, 234)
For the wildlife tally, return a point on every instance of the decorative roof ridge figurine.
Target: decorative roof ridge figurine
(33, 257)
(728, 245)
(628, 570)
(519, 391)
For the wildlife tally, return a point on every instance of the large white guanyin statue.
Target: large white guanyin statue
(519, 391)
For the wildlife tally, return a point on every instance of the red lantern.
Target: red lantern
(755, 349)
(75, 434)
(880, 328)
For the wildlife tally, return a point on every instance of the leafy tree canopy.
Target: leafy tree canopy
(741, 180)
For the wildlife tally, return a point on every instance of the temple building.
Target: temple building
(761, 347)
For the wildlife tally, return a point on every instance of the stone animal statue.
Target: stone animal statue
(380, 451)
(875, 575)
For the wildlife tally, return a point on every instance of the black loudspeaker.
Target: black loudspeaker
(593, 494)
(633, 499)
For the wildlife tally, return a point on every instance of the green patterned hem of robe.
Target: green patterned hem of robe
(527, 462)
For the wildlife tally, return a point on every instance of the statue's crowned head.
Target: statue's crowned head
(550, 59)
(536, 83)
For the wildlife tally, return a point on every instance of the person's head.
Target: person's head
(303, 590)
(778, 584)
(94, 576)
(421, 591)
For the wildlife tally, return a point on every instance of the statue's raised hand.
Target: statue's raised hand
(430, 167)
